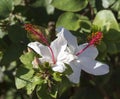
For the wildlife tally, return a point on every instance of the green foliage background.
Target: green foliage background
(81, 17)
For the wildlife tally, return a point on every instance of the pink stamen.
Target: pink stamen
(31, 28)
(95, 39)
(53, 57)
(81, 51)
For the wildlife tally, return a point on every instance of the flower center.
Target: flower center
(94, 39)
(33, 29)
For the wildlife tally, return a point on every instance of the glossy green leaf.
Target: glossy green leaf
(111, 47)
(27, 59)
(116, 5)
(69, 21)
(56, 76)
(70, 5)
(41, 92)
(6, 7)
(105, 20)
(72, 21)
(17, 2)
(16, 30)
(34, 82)
(107, 3)
(112, 35)
(12, 53)
(64, 85)
(102, 47)
(118, 46)
(85, 24)
(68, 70)
(44, 3)
(23, 77)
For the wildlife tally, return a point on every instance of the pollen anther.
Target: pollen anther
(95, 38)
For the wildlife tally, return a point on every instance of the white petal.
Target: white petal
(91, 51)
(71, 40)
(65, 57)
(94, 67)
(58, 44)
(59, 67)
(75, 76)
(40, 49)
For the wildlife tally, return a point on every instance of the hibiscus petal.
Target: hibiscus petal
(58, 44)
(91, 51)
(93, 67)
(65, 57)
(75, 76)
(40, 49)
(59, 67)
(71, 40)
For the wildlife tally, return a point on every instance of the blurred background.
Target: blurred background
(81, 17)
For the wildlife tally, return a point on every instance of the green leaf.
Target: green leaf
(111, 47)
(107, 3)
(44, 3)
(34, 81)
(17, 34)
(30, 87)
(63, 85)
(92, 3)
(6, 7)
(69, 20)
(23, 77)
(42, 92)
(85, 24)
(116, 5)
(102, 47)
(54, 90)
(68, 70)
(72, 21)
(106, 20)
(70, 5)
(2, 33)
(118, 14)
(57, 76)
(12, 53)
(27, 59)
(118, 46)
(17, 2)
(112, 35)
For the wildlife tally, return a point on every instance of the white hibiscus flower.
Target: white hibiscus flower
(86, 54)
(54, 54)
